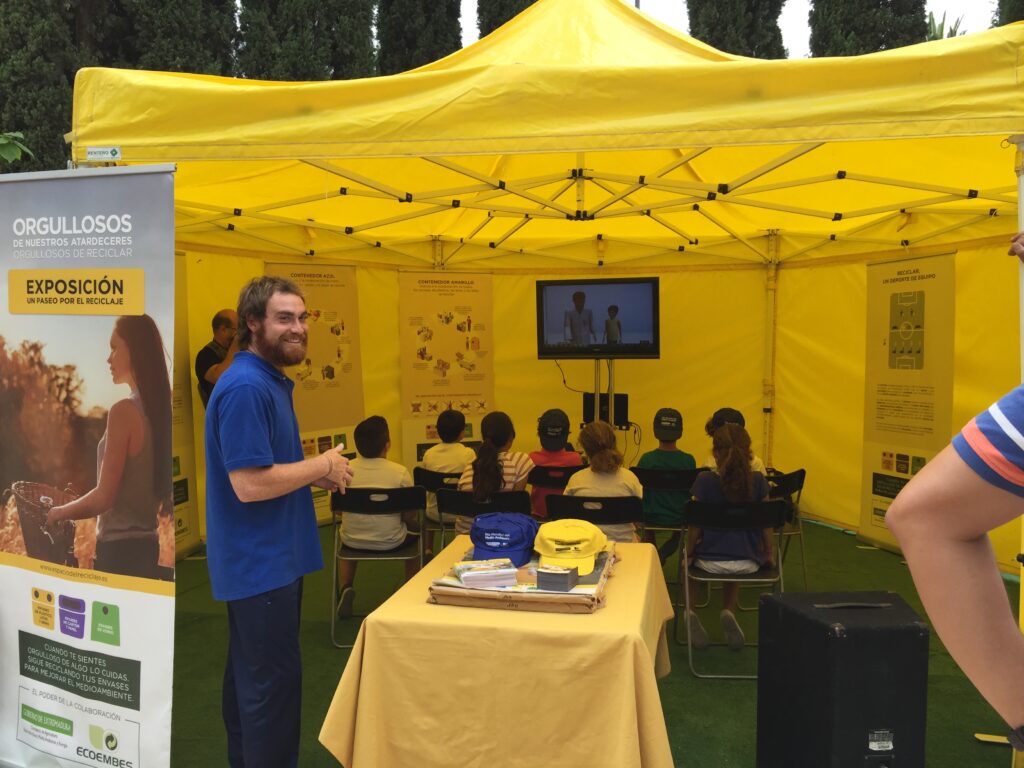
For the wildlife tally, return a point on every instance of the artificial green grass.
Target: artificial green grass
(711, 723)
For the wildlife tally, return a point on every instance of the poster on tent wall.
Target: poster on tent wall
(329, 382)
(87, 603)
(908, 382)
(446, 344)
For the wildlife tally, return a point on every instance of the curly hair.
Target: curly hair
(252, 302)
(598, 440)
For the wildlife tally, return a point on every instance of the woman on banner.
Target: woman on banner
(133, 456)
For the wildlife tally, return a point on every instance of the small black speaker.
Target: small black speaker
(842, 681)
(621, 409)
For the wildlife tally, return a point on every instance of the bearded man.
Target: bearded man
(261, 527)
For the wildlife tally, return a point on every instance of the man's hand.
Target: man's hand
(339, 474)
(1017, 246)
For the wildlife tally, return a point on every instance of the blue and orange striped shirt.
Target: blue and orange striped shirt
(992, 443)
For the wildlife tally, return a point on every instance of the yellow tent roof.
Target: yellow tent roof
(582, 131)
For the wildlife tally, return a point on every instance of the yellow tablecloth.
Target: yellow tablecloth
(436, 685)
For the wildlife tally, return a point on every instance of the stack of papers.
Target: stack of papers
(486, 574)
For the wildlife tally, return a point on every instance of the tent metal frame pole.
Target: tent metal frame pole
(1017, 758)
(772, 165)
(611, 393)
(683, 159)
(768, 389)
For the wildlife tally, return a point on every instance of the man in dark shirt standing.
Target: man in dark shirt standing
(215, 357)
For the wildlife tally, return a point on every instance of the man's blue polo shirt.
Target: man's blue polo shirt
(257, 546)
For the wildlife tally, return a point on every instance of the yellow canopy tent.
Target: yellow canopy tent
(583, 135)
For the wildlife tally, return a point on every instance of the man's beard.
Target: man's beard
(282, 354)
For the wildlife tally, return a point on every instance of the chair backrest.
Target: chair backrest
(735, 516)
(379, 501)
(666, 479)
(787, 486)
(431, 480)
(552, 477)
(599, 510)
(462, 503)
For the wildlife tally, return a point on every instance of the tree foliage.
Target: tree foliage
(306, 39)
(1009, 11)
(853, 27)
(491, 14)
(744, 27)
(43, 44)
(37, 64)
(180, 36)
(12, 146)
(937, 29)
(412, 33)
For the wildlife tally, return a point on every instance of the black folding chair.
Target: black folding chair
(372, 501)
(552, 477)
(678, 481)
(789, 487)
(462, 504)
(750, 516)
(551, 481)
(599, 510)
(431, 481)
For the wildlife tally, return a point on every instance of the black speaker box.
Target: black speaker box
(621, 409)
(842, 681)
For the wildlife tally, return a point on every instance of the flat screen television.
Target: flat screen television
(605, 318)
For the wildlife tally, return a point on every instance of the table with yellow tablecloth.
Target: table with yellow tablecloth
(437, 685)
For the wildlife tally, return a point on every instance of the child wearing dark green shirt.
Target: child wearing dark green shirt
(666, 507)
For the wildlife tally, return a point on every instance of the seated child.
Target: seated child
(605, 476)
(450, 455)
(496, 467)
(553, 431)
(666, 507)
(729, 416)
(375, 533)
(724, 551)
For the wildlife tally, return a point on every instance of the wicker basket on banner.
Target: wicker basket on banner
(55, 545)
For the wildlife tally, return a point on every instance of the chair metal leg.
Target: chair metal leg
(689, 646)
(334, 589)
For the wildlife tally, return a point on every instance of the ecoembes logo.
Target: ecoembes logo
(104, 743)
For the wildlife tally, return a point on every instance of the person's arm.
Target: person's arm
(329, 470)
(941, 519)
(124, 419)
(214, 371)
(523, 473)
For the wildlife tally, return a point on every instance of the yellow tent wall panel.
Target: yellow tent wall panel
(820, 373)
(819, 385)
(212, 282)
(713, 342)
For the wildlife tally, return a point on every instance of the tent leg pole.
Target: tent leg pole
(768, 387)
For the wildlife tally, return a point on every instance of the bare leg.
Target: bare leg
(941, 519)
(412, 567)
(730, 595)
(346, 573)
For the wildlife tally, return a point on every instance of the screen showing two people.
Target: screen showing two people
(597, 318)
